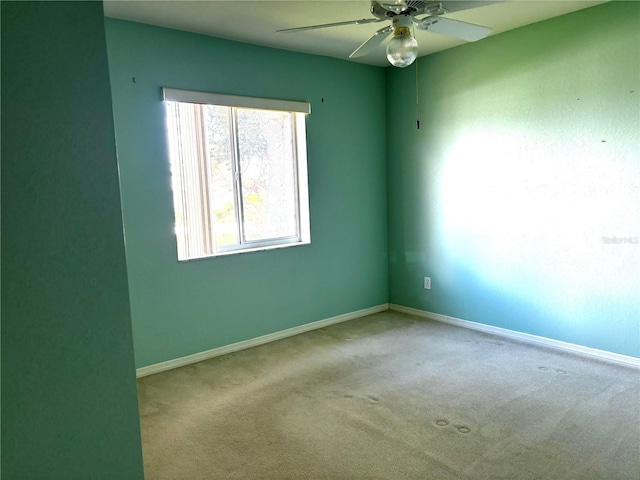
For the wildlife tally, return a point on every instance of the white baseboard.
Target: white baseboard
(253, 342)
(526, 337)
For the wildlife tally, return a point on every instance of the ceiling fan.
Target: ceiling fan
(402, 49)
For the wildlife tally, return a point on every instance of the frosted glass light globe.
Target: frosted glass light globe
(402, 49)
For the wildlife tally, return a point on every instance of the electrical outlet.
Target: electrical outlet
(427, 283)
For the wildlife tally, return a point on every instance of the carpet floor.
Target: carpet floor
(391, 396)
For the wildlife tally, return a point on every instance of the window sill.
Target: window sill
(248, 250)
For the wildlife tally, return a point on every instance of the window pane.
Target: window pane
(222, 176)
(267, 169)
(235, 178)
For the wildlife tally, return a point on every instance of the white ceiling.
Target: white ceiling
(255, 22)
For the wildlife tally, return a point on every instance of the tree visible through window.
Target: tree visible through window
(238, 177)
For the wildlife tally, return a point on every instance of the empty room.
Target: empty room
(321, 240)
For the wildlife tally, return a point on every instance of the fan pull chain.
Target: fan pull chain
(417, 88)
(417, 98)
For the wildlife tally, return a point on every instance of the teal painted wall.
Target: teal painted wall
(528, 155)
(69, 407)
(184, 308)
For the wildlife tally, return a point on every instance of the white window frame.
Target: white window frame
(299, 110)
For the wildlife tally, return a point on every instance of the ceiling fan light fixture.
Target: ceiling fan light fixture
(403, 48)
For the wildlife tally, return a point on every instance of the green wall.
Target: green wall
(526, 166)
(184, 308)
(69, 408)
(527, 158)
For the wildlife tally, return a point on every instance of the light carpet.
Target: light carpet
(391, 396)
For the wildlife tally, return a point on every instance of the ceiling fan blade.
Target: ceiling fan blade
(326, 25)
(372, 43)
(454, 28)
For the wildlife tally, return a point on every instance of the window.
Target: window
(239, 172)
